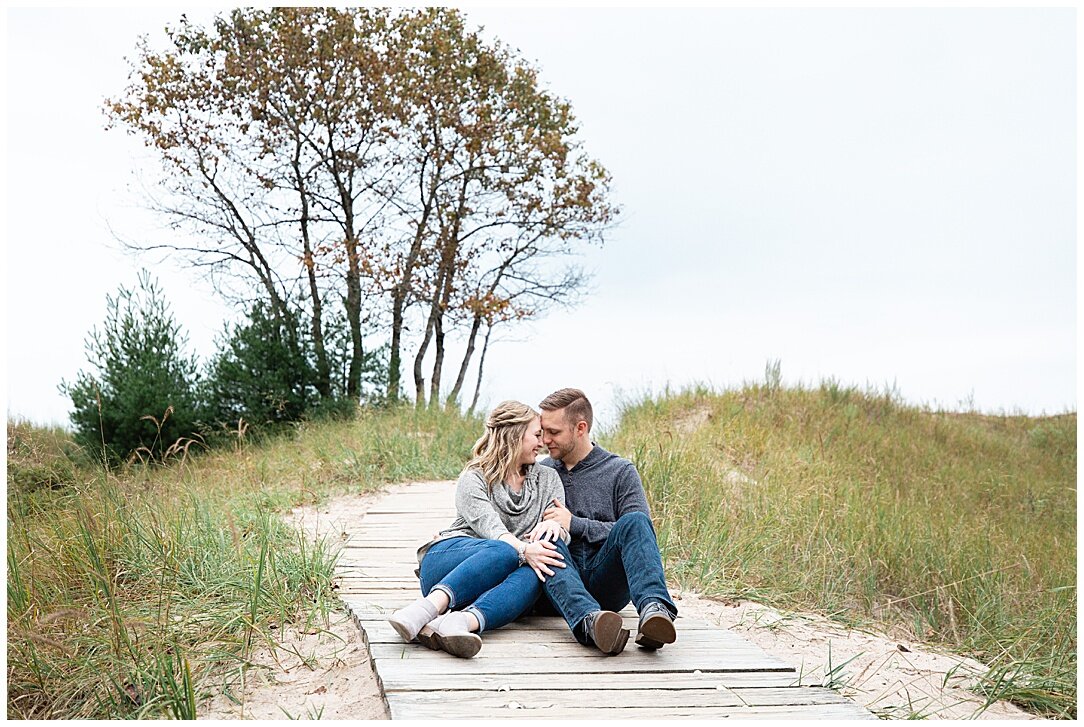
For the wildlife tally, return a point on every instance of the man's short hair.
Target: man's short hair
(573, 401)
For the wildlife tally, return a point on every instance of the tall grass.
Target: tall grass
(959, 528)
(139, 592)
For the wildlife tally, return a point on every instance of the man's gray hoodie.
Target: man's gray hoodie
(598, 490)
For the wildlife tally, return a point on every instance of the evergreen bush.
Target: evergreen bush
(141, 397)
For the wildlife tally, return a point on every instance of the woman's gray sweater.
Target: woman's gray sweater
(488, 514)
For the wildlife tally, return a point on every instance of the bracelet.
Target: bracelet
(522, 550)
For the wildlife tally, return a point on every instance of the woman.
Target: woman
(485, 570)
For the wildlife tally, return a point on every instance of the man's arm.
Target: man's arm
(629, 492)
(628, 497)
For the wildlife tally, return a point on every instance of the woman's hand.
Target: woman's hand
(540, 555)
(546, 530)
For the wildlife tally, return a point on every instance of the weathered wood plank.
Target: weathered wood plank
(394, 661)
(540, 629)
(408, 681)
(378, 632)
(449, 709)
(717, 697)
(538, 658)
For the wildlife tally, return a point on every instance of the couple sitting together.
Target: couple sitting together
(575, 526)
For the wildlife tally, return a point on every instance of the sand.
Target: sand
(890, 677)
(324, 675)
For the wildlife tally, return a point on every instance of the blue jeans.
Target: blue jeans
(628, 567)
(482, 577)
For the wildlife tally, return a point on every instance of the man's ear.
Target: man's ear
(581, 428)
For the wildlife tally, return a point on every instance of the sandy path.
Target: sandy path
(891, 678)
(328, 675)
(312, 676)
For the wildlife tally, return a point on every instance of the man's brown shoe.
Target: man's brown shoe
(656, 627)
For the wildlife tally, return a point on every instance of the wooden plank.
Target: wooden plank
(686, 657)
(408, 544)
(718, 697)
(402, 708)
(394, 661)
(408, 681)
(356, 570)
(575, 657)
(563, 644)
(532, 624)
(378, 545)
(382, 632)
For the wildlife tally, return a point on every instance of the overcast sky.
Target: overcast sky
(879, 195)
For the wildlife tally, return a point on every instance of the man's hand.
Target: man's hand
(546, 530)
(559, 513)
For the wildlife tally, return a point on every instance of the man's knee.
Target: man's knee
(570, 571)
(634, 521)
(562, 548)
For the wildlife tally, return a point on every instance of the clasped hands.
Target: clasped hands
(541, 553)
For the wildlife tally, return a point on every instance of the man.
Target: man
(613, 557)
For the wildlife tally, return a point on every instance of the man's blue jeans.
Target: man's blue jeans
(482, 577)
(627, 567)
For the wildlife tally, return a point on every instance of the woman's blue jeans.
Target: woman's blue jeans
(482, 577)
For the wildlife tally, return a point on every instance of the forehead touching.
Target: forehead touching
(554, 421)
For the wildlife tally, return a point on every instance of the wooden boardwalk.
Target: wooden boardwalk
(534, 667)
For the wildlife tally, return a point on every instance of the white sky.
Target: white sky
(876, 194)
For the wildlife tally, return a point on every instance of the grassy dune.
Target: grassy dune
(958, 528)
(139, 591)
(135, 593)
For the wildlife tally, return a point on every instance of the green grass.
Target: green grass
(959, 527)
(139, 592)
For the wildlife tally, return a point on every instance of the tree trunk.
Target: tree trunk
(481, 365)
(402, 290)
(419, 377)
(448, 266)
(395, 362)
(353, 315)
(323, 369)
(453, 395)
(438, 361)
(432, 324)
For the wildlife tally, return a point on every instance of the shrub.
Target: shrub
(261, 372)
(141, 396)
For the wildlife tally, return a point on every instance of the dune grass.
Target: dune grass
(139, 592)
(958, 528)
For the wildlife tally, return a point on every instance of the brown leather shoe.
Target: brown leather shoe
(606, 630)
(656, 627)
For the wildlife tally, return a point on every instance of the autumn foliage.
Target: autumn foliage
(392, 167)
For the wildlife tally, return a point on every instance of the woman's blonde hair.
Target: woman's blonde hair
(496, 452)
